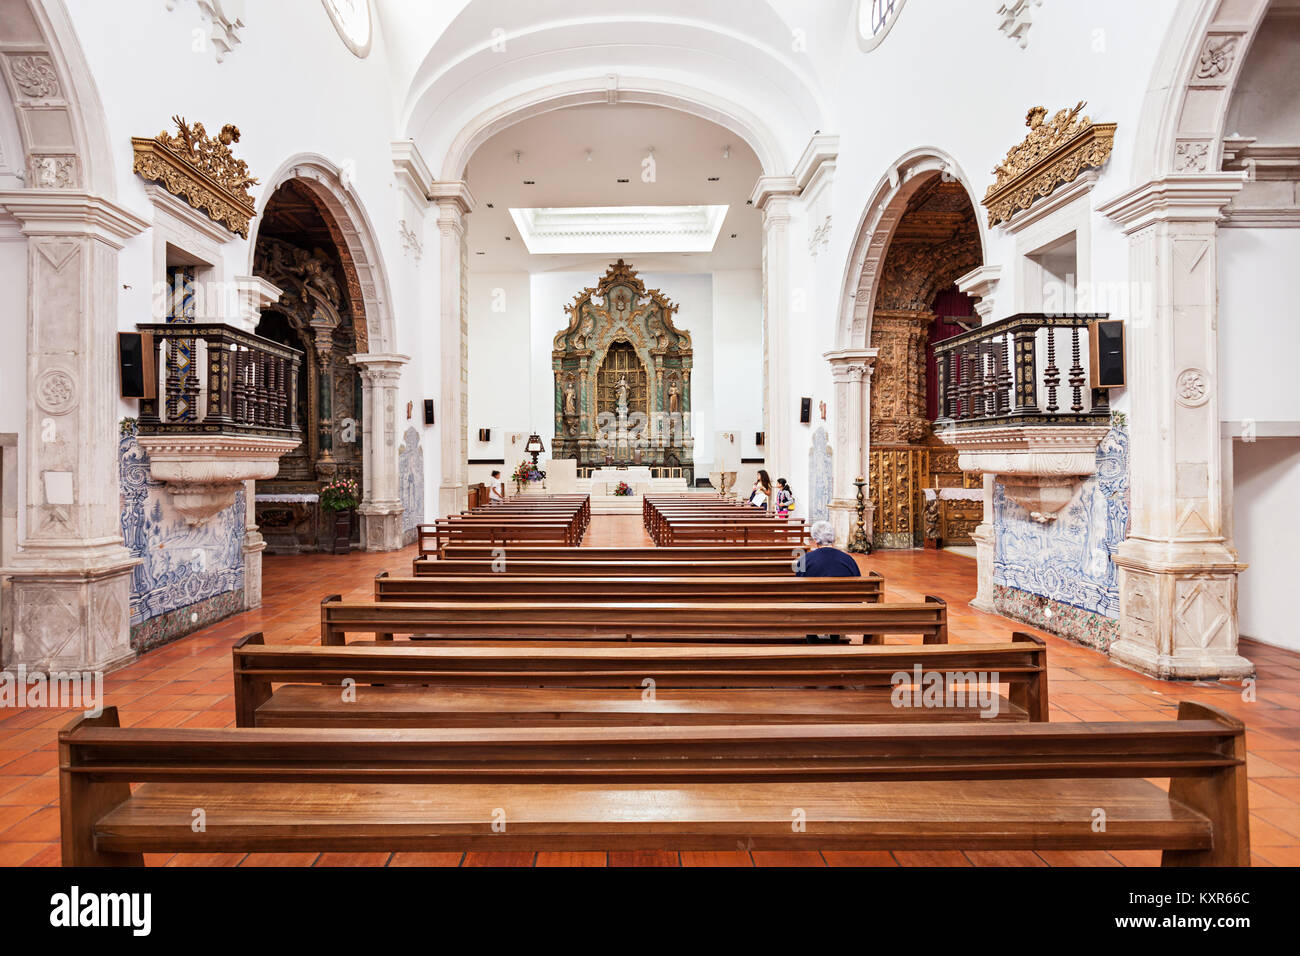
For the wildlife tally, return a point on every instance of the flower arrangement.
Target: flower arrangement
(341, 494)
(526, 471)
(623, 489)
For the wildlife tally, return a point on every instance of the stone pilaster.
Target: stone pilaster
(381, 499)
(981, 284)
(851, 372)
(772, 197)
(454, 203)
(254, 545)
(71, 574)
(1177, 569)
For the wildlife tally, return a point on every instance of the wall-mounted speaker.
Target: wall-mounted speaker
(805, 410)
(135, 362)
(1106, 353)
(485, 434)
(428, 411)
(758, 438)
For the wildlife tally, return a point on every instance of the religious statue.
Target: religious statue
(622, 389)
(674, 400)
(570, 400)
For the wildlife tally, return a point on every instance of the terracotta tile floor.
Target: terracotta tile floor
(188, 684)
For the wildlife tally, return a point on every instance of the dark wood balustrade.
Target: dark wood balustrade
(217, 379)
(1003, 374)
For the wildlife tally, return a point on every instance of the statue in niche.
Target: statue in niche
(570, 400)
(674, 399)
(622, 391)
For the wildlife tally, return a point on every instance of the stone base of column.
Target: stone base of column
(254, 545)
(1178, 618)
(381, 526)
(452, 499)
(844, 519)
(71, 619)
(985, 538)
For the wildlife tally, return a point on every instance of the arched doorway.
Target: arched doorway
(300, 250)
(935, 241)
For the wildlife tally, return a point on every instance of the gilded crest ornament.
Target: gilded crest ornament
(1054, 153)
(200, 169)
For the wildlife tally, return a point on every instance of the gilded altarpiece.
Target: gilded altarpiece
(623, 380)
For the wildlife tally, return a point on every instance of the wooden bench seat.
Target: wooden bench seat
(534, 552)
(513, 588)
(429, 567)
(738, 622)
(303, 705)
(858, 786)
(487, 685)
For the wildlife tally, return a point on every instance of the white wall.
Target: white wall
(510, 377)
(500, 349)
(1259, 324)
(1266, 529)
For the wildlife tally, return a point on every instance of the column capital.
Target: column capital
(69, 212)
(771, 194)
(381, 367)
(411, 171)
(255, 294)
(1179, 197)
(452, 197)
(851, 364)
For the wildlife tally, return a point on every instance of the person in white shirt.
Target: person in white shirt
(496, 487)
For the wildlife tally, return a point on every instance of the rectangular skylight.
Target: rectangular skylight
(619, 229)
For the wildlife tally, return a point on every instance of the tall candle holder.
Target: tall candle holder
(859, 543)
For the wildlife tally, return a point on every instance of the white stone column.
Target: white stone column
(454, 203)
(254, 294)
(851, 372)
(71, 574)
(772, 197)
(981, 284)
(1177, 569)
(381, 498)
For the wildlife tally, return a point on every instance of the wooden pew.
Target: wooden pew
(733, 622)
(980, 786)
(542, 552)
(513, 588)
(601, 568)
(490, 686)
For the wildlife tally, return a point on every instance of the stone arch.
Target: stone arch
(875, 230)
(363, 264)
(1186, 108)
(61, 120)
(596, 90)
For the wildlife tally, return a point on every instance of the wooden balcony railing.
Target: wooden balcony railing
(216, 379)
(1027, 369)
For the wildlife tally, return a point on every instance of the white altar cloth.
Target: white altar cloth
(607, 479)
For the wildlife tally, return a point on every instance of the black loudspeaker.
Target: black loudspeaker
(758, 438)
(485, 434)
(805, 410)
(1106, 353)
(135, 362)
(428, 411)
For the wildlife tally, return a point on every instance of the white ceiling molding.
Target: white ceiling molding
(225, 19)
(1015, 17)
(590, 230)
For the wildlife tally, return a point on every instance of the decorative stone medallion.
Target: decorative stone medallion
(1192, 388)
(56, 391)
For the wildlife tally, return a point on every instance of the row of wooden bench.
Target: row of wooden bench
(560, 519)
(514, 722)
(673, 521)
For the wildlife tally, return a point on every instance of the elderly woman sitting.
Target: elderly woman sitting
(825, 560)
